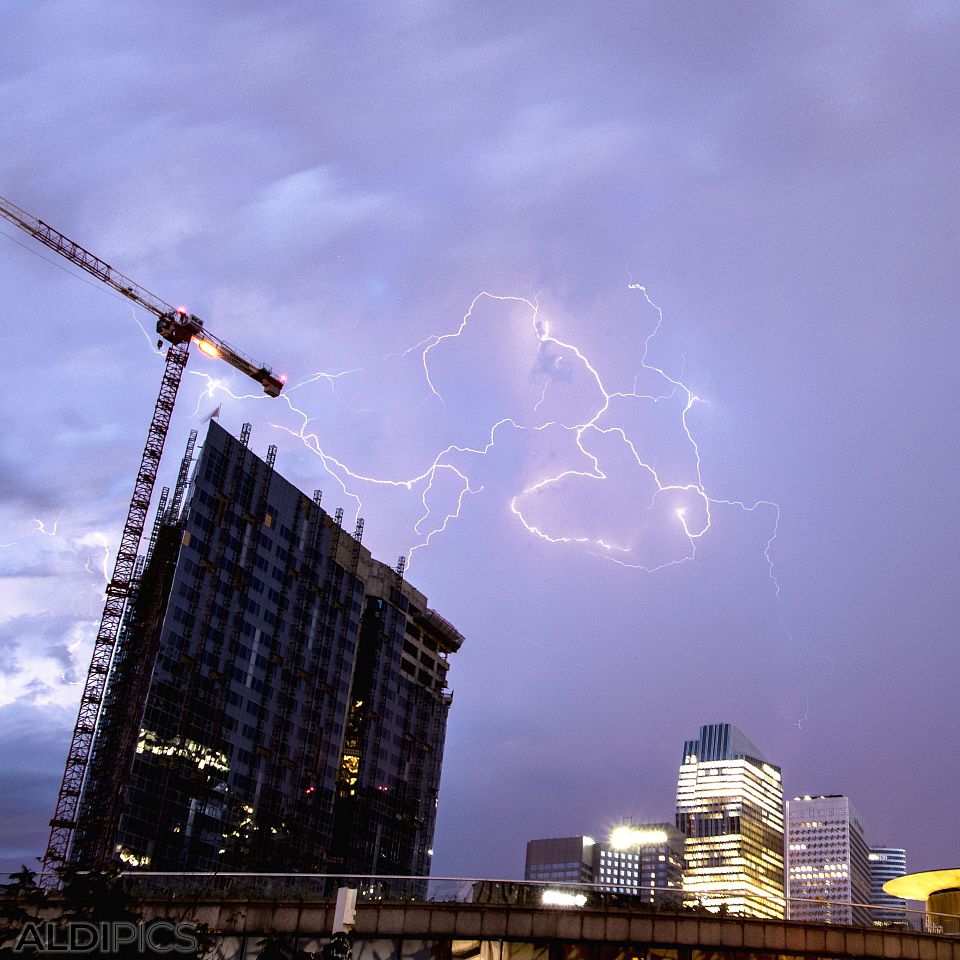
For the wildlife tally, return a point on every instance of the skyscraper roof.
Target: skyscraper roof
(722, 741)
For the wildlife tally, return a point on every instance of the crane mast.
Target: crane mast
(180, 329)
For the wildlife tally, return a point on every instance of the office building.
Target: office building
(643, 859)
(828, 872)
(560, 859)
(730, 811)
(887, 863)
(292, 711)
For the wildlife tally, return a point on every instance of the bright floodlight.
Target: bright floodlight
(207, 347)
(560, 898)
(624, 837)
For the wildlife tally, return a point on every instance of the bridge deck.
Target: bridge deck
(492, 931)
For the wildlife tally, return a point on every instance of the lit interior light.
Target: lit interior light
(151, 742)
(134, 859)
(560, 898)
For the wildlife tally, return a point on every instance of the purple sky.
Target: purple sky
(329, 185)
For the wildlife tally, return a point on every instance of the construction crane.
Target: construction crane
(180, 329)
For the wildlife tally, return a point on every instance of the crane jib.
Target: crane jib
(174, 325)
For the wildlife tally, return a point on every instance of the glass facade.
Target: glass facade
(887, 863)
(296, 708)
(730, 811)
(567, 859)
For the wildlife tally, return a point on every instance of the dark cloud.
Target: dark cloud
(32, 495)
(41, 635)
(28, 781)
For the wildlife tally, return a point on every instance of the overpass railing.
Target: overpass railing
(528, 893)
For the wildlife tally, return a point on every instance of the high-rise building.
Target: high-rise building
(560, 859)
(730, 811)
(828, 873)
(642, 859)
(887, 863)
(284, 703)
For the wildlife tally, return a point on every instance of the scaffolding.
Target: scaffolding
(293, 742)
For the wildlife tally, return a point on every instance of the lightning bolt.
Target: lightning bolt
(147, 335)
(828, 671)
(465, 489)
(77, 570)
(694, 519)
(41, 527)
(331, 379)
(210, 390)
(102, 567)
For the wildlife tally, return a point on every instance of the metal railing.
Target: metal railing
(528, 893)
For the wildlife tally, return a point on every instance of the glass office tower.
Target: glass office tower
(730, 810)
(887, 863)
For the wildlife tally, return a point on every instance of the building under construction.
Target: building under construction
(283, 704)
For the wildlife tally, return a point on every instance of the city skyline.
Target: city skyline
(831, 873)
(755, 205)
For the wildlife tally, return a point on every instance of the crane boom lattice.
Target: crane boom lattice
(83, 258)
